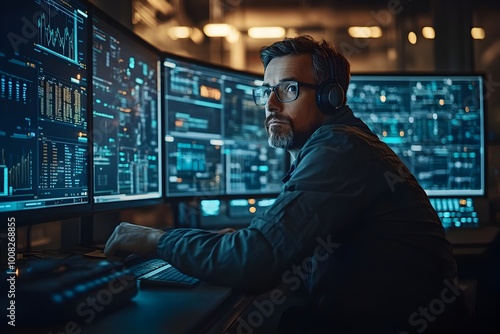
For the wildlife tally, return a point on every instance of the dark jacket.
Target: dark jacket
(353, 225)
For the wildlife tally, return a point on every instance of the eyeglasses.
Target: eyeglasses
(286, 91)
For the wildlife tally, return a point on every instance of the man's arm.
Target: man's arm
(129, 239)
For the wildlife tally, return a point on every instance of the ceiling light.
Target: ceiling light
(412, 37)
(266, 32)
(478, 33)
(197, 36)
(428, 32)
(375, 32)
(179, 32)
(217, 29)
(233, 36)
(365, 32)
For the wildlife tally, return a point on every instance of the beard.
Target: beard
(285, 140)
(281, 135)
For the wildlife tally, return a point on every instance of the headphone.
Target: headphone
(330, 95)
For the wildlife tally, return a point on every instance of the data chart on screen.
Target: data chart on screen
(126, 116)
(434, 123)
(44, 128)
(216, 143)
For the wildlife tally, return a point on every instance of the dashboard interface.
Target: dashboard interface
(434, 123)
(216, 143)
(44, 128)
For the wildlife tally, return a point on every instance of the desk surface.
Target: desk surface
(460, 237)
(471, 241)
(166, 310)
(203, 309)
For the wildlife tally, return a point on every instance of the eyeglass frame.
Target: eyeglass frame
(273, 89)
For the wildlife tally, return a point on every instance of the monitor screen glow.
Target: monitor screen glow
(435, 123)
(126, 117)
(216, 144)
(44, 123)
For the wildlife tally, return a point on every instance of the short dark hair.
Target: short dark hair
(319, 50)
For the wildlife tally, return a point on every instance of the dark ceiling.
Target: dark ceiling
(198, 10)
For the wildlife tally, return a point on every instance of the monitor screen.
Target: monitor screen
(435, 123)
(230, 212)
(216, 143)
(126, 117)
(251, 165)
(44, 160)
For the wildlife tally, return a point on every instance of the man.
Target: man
(372, 249)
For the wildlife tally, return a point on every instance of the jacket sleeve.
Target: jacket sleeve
(327, 189)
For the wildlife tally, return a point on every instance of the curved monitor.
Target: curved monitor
(216, 144)
(44, 122)
(435, 123)
(126, 134)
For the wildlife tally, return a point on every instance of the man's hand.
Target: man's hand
(129, 239)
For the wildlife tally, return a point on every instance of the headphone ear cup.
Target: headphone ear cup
(330, 96)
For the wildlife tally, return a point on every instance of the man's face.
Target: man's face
(289, 124)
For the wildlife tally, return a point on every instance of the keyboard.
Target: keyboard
(156, 272)
(60, 290)
(456, 212)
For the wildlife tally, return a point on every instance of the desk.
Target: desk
(471, 241)
(172, 311)
(462, 237)
(203, 309)
(209, 309)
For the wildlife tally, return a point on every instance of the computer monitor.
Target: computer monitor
(44, 122)
(251, 165)
(436, 125)
(232, 212)
(127, 118)
(216, 144)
